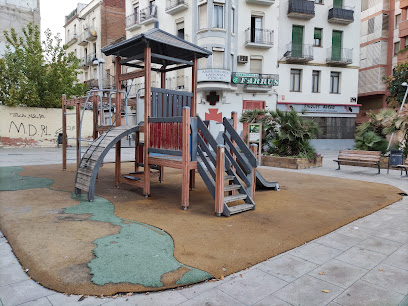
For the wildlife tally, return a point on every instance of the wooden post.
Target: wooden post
(163, 85)
(185, 183)
(64, 133)
(219, 180)
(194, 88)
(254, 149)
(78, 129)
(95, 117)
(118, 104)
(147, 110)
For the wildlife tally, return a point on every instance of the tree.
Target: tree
(400, 75)
(36, 74)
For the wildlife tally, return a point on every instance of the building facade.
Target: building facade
(89, 28)
(17, 14)
(384, 44)
(265, 54)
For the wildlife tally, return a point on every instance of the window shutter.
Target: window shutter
(336, 45)
(317, 33)
(255, 66)
(297, 41)
(337, 3)
(218, 59)
(203, 24)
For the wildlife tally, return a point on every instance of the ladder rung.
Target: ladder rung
(71, 138)
(71, 159)
(69, 114)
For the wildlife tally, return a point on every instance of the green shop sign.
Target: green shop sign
(255, 79)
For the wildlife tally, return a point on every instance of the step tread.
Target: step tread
(231, 187)
(240, 208)
(235, 197)
(229, 177)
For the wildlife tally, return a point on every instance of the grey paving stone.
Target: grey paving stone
(7, 259)
(213, 297)
(271, 301)
(398, 259)
(389, 277)
(316, 253)
(40, 302)
(355, 231)
(22, 292)
(198, 289)
(373, 222)
(392, 234)
(338, 273)
(68, 300)
(12, 274)
(308, 290)
(338, 241)
(362, 258)
(287, 267)
(404, 248)
(363, 293)
(333, 304)
(172, 297)
(380, 245)
(252, 286)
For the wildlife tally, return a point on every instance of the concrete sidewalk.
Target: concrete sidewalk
(362, 263)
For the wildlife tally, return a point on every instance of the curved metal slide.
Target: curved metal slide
(93, 158)
(262, 183)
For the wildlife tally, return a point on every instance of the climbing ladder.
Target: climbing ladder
(228, 174)
(93, 158)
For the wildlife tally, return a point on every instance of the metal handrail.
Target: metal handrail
(132, 19)
(259, 36)
(173, 3)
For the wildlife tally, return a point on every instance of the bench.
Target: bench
(359, 157)
(405, 166)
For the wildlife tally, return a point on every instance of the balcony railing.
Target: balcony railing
(148, 14)
(71, 39)
(87, 60)
(261, 2)
(107, 83)
(342, 15)
(175, 6)
(91, 34)
(303, 9)
(260, 38)
(299, 53)
(82, 39)
(132, 21)
(92, 83)
(339, 56)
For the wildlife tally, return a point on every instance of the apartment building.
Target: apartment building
(90, 27)
(17, 14)
(318, 67)
(384, 43)
(266, 54)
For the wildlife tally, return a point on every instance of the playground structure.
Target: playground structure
(173, 135)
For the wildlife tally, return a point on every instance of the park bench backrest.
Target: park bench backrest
(360, 155)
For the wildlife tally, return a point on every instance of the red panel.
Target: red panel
(251, 104)
(213, 115)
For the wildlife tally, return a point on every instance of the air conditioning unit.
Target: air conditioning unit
(243, 59)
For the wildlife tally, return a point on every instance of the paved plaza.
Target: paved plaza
(362, 263)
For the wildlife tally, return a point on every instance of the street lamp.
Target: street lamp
(99, 62)
(405, 84)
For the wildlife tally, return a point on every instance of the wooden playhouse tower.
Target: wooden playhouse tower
(172, 131)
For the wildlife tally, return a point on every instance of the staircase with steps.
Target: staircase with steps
(93, 158)
(235, 192)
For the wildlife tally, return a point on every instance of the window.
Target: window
(364, 5)
(335, 82)
(256, 29)
(371, 25)
(255, 65)
(232, 20)
(397, 21)
(318, 1)
(218, 59)
(295, 76)
(202, 13)
(337, 38)
(397, 47)
(297, 41)
(317, 37)
(180, 29)
(136, 14)
(315, 81)
(218, 16)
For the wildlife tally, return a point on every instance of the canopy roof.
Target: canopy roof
(163, 44)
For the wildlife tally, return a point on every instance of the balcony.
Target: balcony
(402, 55)
(71, 39)
(132, 22)
(258, 38)
(86, 61)
(261, 2)
(148, 15)
(403, 29)
(91, 34)
(302, 9)
(342, 15)
(82, 40)
(175, 6)
(94, 83)
(299, 53)
(339, 56)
